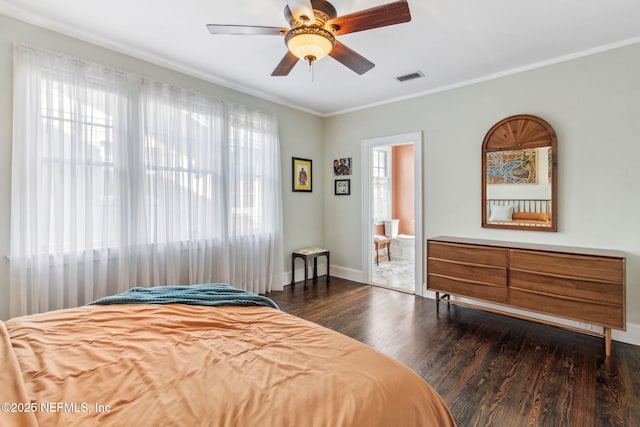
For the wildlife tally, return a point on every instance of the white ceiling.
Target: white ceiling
(453, 42)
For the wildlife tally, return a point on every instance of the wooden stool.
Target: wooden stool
(382, 243)
(306, 255)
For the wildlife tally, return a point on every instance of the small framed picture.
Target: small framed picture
(342, 166)
(301, 174)
(343, 187)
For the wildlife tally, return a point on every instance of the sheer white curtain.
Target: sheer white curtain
(120, 181)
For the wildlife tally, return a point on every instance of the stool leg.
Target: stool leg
(293, 269)
(315, 268)
(328, 264)
(306, 271)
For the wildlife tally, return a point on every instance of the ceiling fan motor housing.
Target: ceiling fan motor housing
(322, 12)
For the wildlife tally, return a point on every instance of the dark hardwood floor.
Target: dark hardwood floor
(491, 370)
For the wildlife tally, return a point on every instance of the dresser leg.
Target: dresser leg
(607, 342)
(437, 302)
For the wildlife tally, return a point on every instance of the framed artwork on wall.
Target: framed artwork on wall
(301, 174)
(342, 187)
(342, 166)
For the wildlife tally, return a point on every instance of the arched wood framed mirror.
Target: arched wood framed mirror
(519, 175)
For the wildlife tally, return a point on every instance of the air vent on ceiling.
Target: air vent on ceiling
(416, 75)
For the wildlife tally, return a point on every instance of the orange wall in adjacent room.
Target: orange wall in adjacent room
(403, 188)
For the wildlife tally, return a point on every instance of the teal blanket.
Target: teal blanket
(213, 294)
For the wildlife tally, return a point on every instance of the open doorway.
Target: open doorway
(392, 212)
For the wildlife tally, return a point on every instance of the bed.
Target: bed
(527, 212)
(179, 364)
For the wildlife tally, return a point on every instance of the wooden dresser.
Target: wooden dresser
(585, 285)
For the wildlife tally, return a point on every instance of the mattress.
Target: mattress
(186, 365)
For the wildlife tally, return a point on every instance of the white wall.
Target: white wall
(593, 103)
(300, 135)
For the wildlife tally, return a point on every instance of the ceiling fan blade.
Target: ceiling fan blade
(376, 17)
(286, 65)
(350, 58)
(250, 30)
(302, 11)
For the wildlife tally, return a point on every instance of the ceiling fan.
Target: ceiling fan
(314, 25)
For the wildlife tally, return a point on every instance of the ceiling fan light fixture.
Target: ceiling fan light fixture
(310, 43)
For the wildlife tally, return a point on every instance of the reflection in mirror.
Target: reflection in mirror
(519, 177)
(519, 187)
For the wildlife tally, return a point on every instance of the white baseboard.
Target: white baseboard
(630, 336)
(336, 271)
(348, 273)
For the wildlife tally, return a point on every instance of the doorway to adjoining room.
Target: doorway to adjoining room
(392, 212)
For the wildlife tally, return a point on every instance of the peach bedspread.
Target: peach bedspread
(180, 365)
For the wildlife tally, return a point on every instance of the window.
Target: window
(76, 157)
(381, 170)
(120, 181)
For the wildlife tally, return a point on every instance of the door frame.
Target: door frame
(367, 146)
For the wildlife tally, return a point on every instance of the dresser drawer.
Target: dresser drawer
(473, 272)
(583, 311)
(468, 253)
(611, 293)
(588, 267)
(481, 291)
